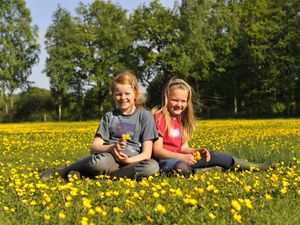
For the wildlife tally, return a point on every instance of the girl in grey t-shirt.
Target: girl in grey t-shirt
(111, 154)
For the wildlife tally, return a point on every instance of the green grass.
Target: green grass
(270, 197)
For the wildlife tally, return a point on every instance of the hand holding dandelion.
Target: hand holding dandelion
(201, 153)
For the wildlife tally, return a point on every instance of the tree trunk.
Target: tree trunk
(235, 110)
(59, 108)
(59, 112)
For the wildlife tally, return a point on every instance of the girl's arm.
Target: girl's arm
(162, 153)
(98, 146)
(145, 154)
(186, 149)
(203, 151)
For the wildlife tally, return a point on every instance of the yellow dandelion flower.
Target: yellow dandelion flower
(283, 190)
(237, 217)
(149, 219)
(126, 137)
(160, 208)
(91, 212)
(212, 216)
(236, 205)
(84, 221)
(268, 197)
(248, 203)
(47, 217)
(117, 210)
(156, 194)
(61, 215)
(197, 155)
(33, 203)
(68, 204)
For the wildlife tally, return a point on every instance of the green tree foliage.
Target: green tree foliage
(239, 56)
(272, 32)
(18, 49)
(61, 65)
(34, 104)
(105, 40)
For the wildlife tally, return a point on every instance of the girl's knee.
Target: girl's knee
(102, 162)
(147, 168)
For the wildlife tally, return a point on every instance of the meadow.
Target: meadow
(213, 197)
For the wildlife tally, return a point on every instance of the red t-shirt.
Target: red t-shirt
(172, 142)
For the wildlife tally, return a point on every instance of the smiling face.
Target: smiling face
(124, 97)
(177, 101)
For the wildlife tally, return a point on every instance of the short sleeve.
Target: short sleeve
(103, 129)
(148, 127)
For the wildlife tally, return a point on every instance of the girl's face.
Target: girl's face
(124, 97)
(177, 101)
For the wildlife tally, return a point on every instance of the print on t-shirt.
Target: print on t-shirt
(174, 132)
(125, 128)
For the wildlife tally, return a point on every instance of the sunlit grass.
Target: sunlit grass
(270, 197)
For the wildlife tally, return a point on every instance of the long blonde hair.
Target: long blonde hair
(129, 78)
(187, 119)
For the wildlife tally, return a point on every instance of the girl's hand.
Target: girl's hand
(117, 149)
(204, 154)
(188, 158)
(121, 145)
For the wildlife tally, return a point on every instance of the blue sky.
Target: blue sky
(41, 13)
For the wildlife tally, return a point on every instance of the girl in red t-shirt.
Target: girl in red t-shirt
(175, 123)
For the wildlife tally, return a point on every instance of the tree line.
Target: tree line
(240, 56)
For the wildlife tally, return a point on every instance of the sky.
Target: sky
(41, 13)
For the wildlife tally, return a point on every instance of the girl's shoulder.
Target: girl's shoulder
(144, 113)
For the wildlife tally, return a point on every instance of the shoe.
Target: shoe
(74, 174)
(212, 168)
(50, 174)
(240, 165)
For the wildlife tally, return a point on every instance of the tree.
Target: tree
(61, 64)
(18, 49)
(34, 104)
(105, 41)
(272, 31)
(155, 33)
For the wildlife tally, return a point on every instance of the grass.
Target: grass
(216, 197)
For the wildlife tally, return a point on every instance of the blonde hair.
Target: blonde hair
(187, 119)
(129, 78)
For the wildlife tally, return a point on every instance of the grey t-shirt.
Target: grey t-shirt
(140, 126)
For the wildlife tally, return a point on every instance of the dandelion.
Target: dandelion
(268, 197)
(61, 215)
(161, 209)
(237, 217)
(33, 203)
(248, 203)
(236, 205)
(149, 219)
(86, 203)
(283, 190)
(197, 155)
(212, 216)
(156, 194)
(84, 221)
(117, 210)
(68, 204)
(91, 212)
(126, 137)
(47, 217)
(190, 201)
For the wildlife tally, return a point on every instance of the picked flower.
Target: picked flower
(197, 155)
(126, 137)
